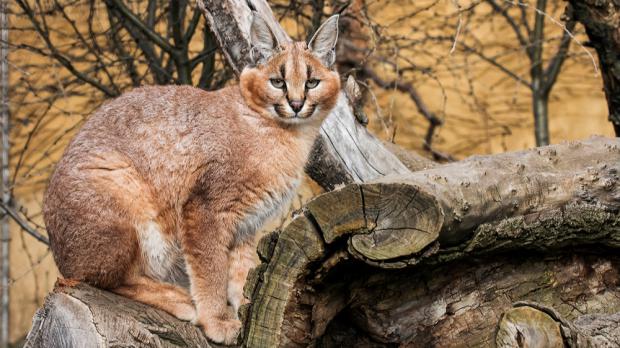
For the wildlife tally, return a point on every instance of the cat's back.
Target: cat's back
(159, 132)
(159, 110)
(159, 121)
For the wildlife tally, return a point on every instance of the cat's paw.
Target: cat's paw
(221, 330)
(185, 312)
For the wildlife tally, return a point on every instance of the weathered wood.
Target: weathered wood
(444, 204)
(271, 287)
(562, 196)
(530, 324)
(410, 159)
(346, 152)
(526, 326)
(601, 330)
(460, 304)
(77, 315)
(437, 298)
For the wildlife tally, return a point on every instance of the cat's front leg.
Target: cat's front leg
(206, 244)
(242, 258)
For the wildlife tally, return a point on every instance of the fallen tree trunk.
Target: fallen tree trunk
(77, 315)
(317, 268)
(455, 198)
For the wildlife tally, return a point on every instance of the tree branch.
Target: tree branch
(555, 64)
(151, 34)
(23, 224)
(64, 61)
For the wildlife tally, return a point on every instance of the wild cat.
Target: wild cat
(167, 185)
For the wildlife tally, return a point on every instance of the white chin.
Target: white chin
(294, 119)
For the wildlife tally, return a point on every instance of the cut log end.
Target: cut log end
(528, 327)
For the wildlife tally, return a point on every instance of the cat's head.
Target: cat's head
(292, 82)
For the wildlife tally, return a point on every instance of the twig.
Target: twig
(23, 224)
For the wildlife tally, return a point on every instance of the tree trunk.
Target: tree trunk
(76, 315)
(539, 97)
(402, 260)
(540, 104)
(601, 18)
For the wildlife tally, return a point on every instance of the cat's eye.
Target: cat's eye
(277, 83)
(312, 83)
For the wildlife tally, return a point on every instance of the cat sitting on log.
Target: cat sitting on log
(159, 195)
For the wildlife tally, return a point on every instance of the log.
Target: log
(77, 315)
(386, 262)
(447, 202)
(455, 301)
(530, 324)
(367, 265)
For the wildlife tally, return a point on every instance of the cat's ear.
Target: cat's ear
(264, 41)
(323, 43)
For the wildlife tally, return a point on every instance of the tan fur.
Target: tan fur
(168, 185)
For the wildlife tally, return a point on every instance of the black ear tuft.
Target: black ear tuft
(264, 41)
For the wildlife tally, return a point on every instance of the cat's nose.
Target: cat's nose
(296, 105)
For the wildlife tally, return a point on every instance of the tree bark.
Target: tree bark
(601, 18)
(531, 324)
(76, 315)
(401, 260)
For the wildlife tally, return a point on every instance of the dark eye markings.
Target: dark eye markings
(282, 71)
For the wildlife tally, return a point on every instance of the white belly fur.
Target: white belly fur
(163, 258)
(270, 206)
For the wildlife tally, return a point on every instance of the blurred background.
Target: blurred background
(445, 78)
